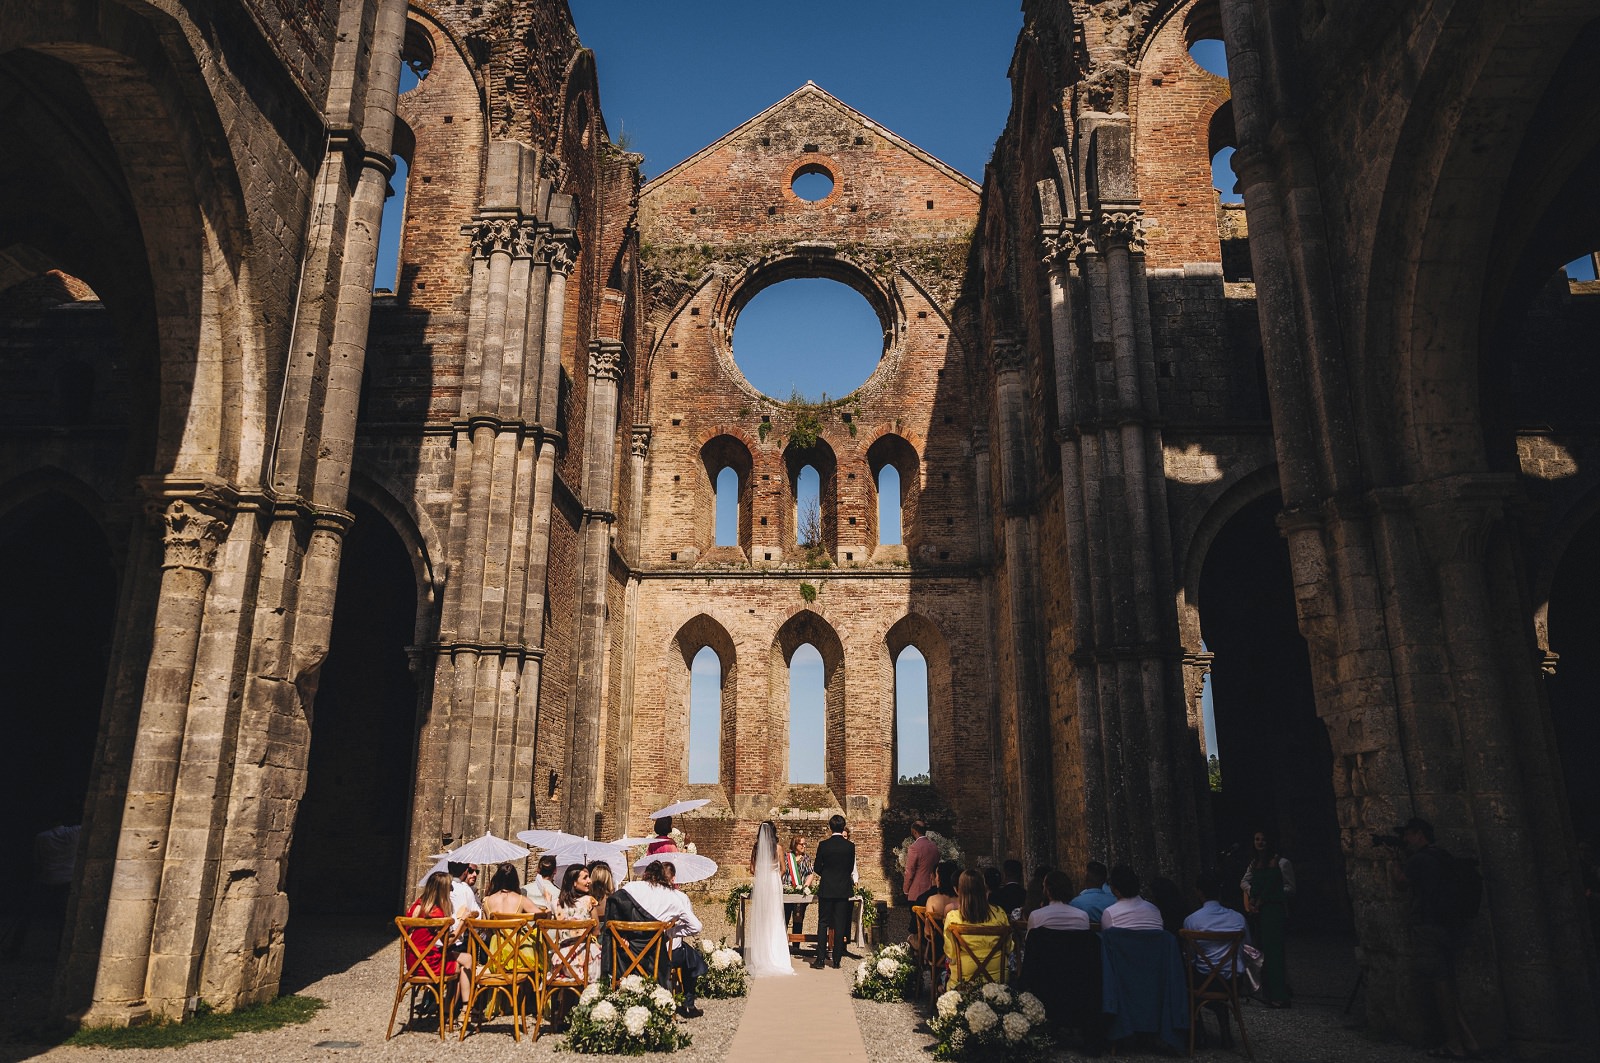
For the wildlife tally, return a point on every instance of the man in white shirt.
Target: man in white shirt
(1056, 913)
(1131, 911)
(463, 901)
(655, 894)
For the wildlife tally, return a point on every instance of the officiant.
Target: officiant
(796, 868)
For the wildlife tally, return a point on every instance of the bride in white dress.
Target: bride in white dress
(766, 937)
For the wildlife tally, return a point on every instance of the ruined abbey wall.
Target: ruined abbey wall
(1328, 453)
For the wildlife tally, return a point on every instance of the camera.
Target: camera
(1393, 841)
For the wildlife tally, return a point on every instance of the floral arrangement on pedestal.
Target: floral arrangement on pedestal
(948, 850)
(634, 1018)
(683, 844)
(869, 909)
(731, 909)
(989, 1022)
(725, 974)
(887, 975)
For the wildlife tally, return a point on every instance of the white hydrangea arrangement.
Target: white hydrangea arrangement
(989, 1022)
(948, 849)
(725, 974)
(887, 975)
(683, 844)
(636, 1017)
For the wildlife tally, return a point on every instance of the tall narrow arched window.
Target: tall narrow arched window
(808, 508)
(394, 214)
(808, 741)
(705, 717)
(911, 717)
(727, 533)
(888, 506)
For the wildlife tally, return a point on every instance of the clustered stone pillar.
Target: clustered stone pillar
(607, 358)
(1140, 786)
(1408, 591)
(1029, 717)
(475, 764)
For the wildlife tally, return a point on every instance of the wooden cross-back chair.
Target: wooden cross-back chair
(642, 954)
(504, 952)
(564, 946)
(424, 967)
(1213, 981)
(992, 939)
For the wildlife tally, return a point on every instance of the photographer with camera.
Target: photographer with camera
(1444, 897)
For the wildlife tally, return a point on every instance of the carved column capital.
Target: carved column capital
(491, 235)
(605, 359)
(1120, 228)
(559, 251)
(641, 440)
(1008, 353)
(191, 530)
(1060, 245)
(1456, 514)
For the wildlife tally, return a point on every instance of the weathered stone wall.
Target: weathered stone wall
(715, 229)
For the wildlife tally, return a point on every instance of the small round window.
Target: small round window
(812, 182)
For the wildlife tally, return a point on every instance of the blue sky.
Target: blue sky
(676, 76)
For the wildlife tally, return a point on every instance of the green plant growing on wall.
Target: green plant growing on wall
(807, 426)
(808, 592)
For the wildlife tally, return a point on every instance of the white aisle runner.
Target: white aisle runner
(804, 1019)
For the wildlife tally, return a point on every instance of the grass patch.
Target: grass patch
(205, 1025)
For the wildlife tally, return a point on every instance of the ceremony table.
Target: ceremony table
(858, 934)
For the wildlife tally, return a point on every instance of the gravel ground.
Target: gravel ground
(354, 971)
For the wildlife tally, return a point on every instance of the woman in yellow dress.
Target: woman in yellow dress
(973, 909)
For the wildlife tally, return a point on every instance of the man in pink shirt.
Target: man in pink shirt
(921, 859)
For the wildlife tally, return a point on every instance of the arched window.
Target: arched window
(807, 717)
(808, 508)
(888, 506)
(896, 470)
(911, 717)
(386, 274)
(722, 520)
(705, 717)
(727, 509)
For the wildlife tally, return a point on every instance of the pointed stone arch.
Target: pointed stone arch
(701, 632)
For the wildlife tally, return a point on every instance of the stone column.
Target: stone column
(476, 762)
(607, 359)
(192, 527)
(1035, 797)
(621, 802)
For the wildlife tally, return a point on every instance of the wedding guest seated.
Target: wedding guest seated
(1056, 913)
(574, 902)
(1212, 917)
(542, 891)
(662, 842)
(939, 901)
(504, 899)
(505, 896)
(943, 898)
(1131, 911)
(1012, 894)
(973, 909)
(463, 902)
(1096, 896)
(657, 896)
(435, 903)
(601, 887)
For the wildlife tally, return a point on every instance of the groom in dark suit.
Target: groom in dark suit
(834, 865)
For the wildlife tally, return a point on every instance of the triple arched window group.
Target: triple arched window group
(807, 505)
